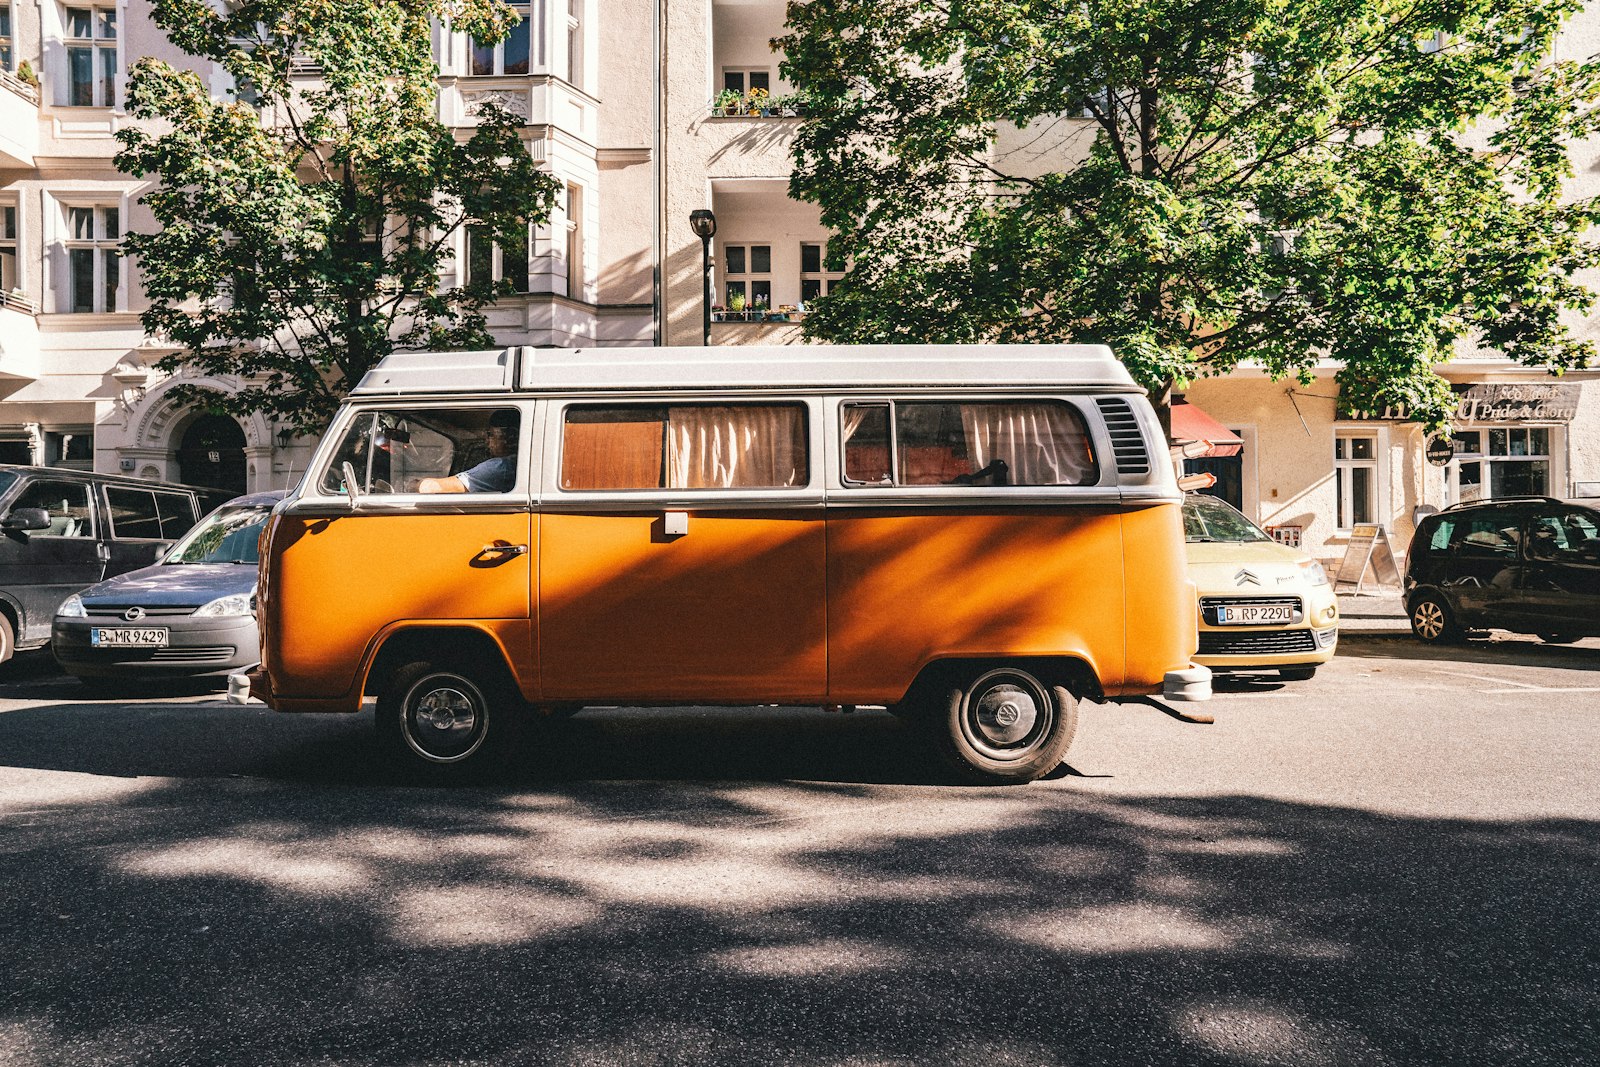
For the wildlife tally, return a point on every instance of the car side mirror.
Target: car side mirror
(26, 519)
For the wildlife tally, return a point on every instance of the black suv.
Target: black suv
(61, 530)
(1531, 565)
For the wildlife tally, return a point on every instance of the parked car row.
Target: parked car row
(125, 577)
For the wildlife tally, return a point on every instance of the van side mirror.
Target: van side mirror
(26, 519)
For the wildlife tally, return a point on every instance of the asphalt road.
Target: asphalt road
(1395, 863)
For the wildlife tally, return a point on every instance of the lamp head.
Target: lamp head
(703, 222)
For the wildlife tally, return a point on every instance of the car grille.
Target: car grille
(157, 611)
(1258, 643)
(1210, 604)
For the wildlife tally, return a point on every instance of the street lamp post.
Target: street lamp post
(704, 224)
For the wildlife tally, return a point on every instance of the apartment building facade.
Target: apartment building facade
(647, 111)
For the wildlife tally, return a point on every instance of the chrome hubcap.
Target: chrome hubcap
(1006, 714)
(443, 721)
(1005, 718)
(1429, 619)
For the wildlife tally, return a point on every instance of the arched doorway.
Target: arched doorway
(211, 453)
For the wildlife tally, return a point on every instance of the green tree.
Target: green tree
(304, 222)
(1276, 181)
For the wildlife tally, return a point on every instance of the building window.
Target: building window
(9, 279)
(5, 36)
(72, 447)
(818, 271)
(93, 261)
(747, 81)
(575, 42)
(745, 267)
(1355, 478)
(490, 261)
(575, 277)
(92, 56)
(510, 56)
(1502, 461)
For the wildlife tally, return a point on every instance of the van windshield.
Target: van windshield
(1205, 518)
(229, 535)
(7, 479)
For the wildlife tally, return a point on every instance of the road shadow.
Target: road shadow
(663, 923)
(1506, 649)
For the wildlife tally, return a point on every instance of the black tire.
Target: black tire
(1297, 674)
(8, 638)
(1003, 726)
(443, 720)
(1432, 622)
(1559, 639)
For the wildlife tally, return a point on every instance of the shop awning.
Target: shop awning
(1190, 423)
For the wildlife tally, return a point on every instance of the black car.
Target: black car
(1527, 564)
(190, 616)
(61, 530)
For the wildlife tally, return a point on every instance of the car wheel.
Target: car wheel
(1432, 622)
(1558, 639)
(1297, 674)
(438, 719)
(1004, 726)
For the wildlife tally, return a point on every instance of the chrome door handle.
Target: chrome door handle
(503, 549)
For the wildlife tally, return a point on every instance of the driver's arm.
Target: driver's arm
(452, 484)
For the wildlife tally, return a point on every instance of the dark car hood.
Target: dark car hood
(174, 584)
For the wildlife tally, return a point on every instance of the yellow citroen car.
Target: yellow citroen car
(1263, 606)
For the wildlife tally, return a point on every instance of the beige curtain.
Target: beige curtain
(736, 446)
(1041, 443)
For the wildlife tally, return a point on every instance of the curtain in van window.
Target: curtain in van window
(736, 446)
(1041, 443)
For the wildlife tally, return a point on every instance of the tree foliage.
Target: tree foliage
(1276, 181)
(304, 221)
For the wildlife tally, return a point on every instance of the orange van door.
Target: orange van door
(682, 556)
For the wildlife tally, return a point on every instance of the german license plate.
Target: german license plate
(1254, 614)
(128, 636)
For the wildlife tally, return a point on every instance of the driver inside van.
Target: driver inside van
(497, 474)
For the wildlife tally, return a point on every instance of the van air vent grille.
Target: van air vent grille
(1127, 442)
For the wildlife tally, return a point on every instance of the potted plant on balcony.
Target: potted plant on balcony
(760, 102)
(736, 303)
(727, 102)
(25, 72)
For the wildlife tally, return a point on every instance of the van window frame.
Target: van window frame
(529, 438)
(112, 534)
(1088, 416)
(810, 491)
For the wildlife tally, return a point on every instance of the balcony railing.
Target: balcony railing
(783, 313)
(19, 302)
(758, 103)
(28, 92)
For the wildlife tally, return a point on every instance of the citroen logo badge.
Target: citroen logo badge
(1244, 577)
(133, 614)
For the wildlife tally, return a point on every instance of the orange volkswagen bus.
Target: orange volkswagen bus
(976, 537)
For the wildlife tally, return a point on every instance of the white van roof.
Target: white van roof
(853, 367)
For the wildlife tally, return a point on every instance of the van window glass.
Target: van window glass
(1007, 442)
(1493, 534)
(684, 446)
(177, 514)
(134, 514)
(429, 450)
(67, 503)
(6, 480)
(1566, 537)
(1439, 539)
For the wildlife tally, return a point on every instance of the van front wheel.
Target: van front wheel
(434, 717)
(1005, 726)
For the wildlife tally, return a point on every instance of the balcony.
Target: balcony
(767, 261)
(536, 99)
(19, 121)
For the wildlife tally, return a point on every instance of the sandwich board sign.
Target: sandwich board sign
(1368, 547)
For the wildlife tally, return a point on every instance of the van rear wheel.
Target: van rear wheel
(1432, 622)
(440, 719)
(1004, 726)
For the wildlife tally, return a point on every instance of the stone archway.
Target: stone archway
(210, 453)
(158, 427)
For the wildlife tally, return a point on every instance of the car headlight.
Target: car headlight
(72, 608)
(233, 604)
(1314, 572)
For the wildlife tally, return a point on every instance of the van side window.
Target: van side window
(177, 514)
(396, 450)
(67, 503)
(1006, 442)
(684, 446)
(1495, 534)
(134, 515)
(1439, 538)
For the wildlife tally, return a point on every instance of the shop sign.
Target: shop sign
(1440, 449)
(1493, 402)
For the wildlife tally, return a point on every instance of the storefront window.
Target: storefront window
(1355, 476)
(1502, 461)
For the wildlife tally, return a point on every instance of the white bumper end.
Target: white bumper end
(1191, 683)
(239, 688)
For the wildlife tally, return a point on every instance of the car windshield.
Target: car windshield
(227, 535)
(1205, 518)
